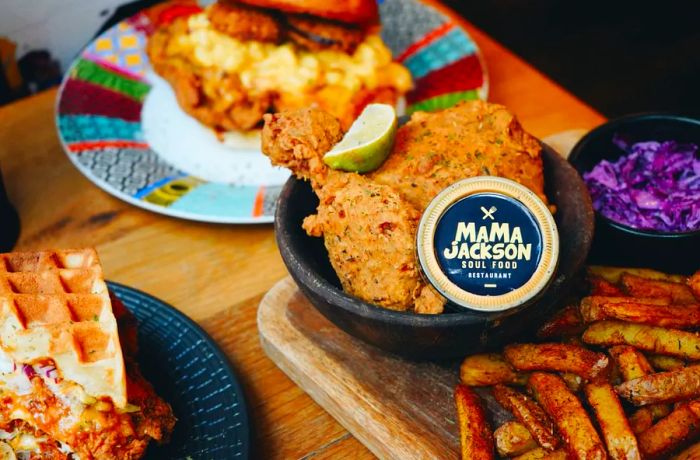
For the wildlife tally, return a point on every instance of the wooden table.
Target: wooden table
(217, 274)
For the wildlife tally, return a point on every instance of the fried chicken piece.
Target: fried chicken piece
(244, 22)
(369, 222)
(217, 100)
(317, 34)
(368, 228)
(435, 150)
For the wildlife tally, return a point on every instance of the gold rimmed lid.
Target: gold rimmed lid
(488, 244)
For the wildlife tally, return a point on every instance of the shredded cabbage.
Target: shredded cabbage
(655, 186)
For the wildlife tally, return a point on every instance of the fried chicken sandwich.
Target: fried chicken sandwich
(69, 384)
(239, 59)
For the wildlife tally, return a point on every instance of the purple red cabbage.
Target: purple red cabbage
(654, 186)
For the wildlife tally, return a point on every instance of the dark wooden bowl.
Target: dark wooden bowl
(616, 243)
(451, 334)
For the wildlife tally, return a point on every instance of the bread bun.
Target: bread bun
(360, 12)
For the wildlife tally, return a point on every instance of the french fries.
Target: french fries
(641, 420)
(569, 416)
(566, 322)
(621, 441)
(632, 364)
(665, 363)
(642, 394)
(601, 286)
(654, 339)
(530, 414)
(475, 436)
(613, 274)
(683, 316)
(488, 369)
(664, 387)
(558, 357)
(637, 286)
(513, 439)
(543, 454)
(680, 426)
(694, 284)
(691, 453)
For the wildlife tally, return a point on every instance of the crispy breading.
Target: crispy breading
(318, 34)
(244, 22)
(369, 222)
(368, 228)
(435, 150)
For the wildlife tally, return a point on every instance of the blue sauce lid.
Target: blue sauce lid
(488, 244)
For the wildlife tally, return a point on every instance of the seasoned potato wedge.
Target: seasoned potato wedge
(621, 441)
(529, 413)
(636, 286)
(694, 284)
(655, 339)
(680, 426)
(631, 362)
(475, 434)
(613, 274)
(488, 369)
(641, 420)
(591, 307)
(679, 316)
(558, 357)
(572, 421)
(663, 387)
(691, 453)
(566, 322)
(664, 363)
(512, 439)
(601, 286)
(543, 454)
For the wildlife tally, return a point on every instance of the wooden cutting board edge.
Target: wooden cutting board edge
(301, 360)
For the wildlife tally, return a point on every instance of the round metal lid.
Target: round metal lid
(488, 244)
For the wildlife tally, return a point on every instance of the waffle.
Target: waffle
(55, 305)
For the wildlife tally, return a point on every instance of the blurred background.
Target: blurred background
(618, 56)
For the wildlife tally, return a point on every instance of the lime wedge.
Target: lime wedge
(368, 141)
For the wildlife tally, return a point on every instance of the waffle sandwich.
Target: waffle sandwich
(66, 389)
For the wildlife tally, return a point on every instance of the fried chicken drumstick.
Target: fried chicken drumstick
(369, 222)
(368, 228)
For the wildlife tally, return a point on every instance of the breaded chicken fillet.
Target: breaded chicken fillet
(368, 228)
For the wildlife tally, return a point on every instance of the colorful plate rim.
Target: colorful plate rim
(432, 92)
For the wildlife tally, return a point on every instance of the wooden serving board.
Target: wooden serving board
(399, 409)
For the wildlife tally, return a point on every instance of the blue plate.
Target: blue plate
(189, 371)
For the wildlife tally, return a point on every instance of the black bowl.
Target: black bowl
(618, 244)
(451, 334)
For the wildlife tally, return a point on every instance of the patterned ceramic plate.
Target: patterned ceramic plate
(190, 372)
(121, 126)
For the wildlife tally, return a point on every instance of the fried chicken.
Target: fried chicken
(369, 222)
(435, 150)
(318, 34)
(368, 228)
(244, 22)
